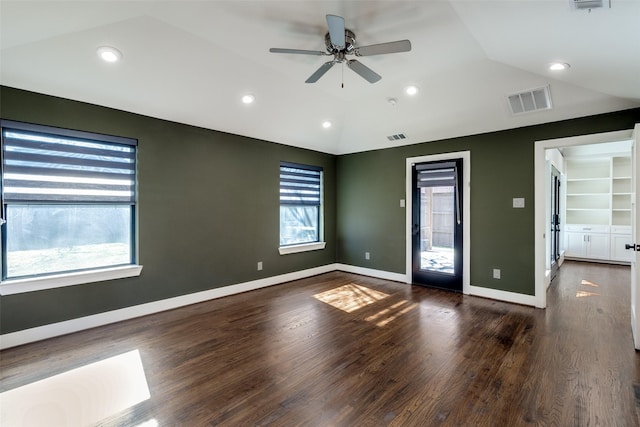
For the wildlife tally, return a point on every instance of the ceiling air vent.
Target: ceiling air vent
(531, 100)
(586, 4)
(397, 137)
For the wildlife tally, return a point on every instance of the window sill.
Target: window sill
(285, 250)
(18, 286)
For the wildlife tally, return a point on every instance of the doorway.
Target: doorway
(437, 224)
(464, 184)
(542, 201)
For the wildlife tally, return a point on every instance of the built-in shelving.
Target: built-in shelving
(598, 207)
(589, 191)
(621, 191)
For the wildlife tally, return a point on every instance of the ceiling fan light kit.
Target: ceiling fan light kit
(340, 42)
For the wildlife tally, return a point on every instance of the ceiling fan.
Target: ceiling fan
(340, 42)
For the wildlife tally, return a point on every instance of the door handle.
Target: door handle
(632, 246)
(416, 229)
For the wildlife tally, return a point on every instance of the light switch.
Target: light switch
(402, 203)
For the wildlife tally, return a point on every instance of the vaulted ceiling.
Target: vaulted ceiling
(192, 61)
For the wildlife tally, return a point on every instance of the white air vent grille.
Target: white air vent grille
(397, 137)
(531, 100)
(586, 4)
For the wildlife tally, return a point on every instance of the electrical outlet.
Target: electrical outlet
(518, 202)
(259, 265)
(367, 255)
(496, 273)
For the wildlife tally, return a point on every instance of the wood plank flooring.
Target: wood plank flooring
(384, 354)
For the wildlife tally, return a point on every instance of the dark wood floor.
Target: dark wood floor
(418, 357)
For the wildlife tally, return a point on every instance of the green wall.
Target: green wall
(208, 206)
(372, 183)
(208, 210)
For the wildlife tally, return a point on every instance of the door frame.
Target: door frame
(540, 202)
(466, 211)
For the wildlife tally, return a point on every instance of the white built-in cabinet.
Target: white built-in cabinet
(598, 208)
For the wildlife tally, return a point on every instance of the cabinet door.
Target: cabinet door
(575, 245)
(618, 252)
(598, 246)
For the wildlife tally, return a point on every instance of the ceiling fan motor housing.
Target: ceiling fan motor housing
(349, 43)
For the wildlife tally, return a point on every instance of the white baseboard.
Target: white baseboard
(380, 274)
(506, 296)
(547, 279)
(39, 333)
(74, 325)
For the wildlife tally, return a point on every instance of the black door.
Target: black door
(555, 221)
(437, 224)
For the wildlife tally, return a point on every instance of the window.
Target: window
(300, 207)
(68, 199)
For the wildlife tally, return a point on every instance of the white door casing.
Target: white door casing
(635, 235)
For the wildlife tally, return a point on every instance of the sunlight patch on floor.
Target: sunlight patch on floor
(350, 297)
(583, 294)
(79, 397)
(387, 315)
(151, 423)
(588, 283)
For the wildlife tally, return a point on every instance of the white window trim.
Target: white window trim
(312, 246)
(305, 247)
(18, 286)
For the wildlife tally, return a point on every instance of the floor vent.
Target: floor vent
(397, 137)
(531, 100)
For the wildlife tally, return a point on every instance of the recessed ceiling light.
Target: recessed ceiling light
(109, 54)
(411, 90)
(326, 124)
(248, 98)
(558, 66)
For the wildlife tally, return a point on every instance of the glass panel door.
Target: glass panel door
(437, 230)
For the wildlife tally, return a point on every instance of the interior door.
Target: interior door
(635, 233)
(555, 222)
(437, 235)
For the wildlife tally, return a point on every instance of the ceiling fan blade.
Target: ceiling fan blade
(382, 48)
(365, 72)
(336, 30)
(320, 72)
(298, 51)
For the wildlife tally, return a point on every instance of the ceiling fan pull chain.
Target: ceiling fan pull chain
(342, 76)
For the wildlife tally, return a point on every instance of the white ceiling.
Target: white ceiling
(191, 62)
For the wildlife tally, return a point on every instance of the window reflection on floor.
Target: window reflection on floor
(79, 397)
